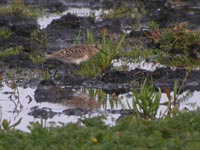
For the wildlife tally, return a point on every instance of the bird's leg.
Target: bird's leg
(70, 68)
(55, 73)
(67, 70)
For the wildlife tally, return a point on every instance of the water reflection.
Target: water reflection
(85, 102)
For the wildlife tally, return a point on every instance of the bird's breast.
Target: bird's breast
(81, 59)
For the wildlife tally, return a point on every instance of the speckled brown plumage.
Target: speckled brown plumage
(75, 54)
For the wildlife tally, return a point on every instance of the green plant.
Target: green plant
(88, 37)
(146, 100)
(175, 97)
(18, 7)
(180, 132)
(36, 58)
(38, 38)
(153, 25)
(10, 51)
(100, 62)
(46, 75)
(179, 41)
(179, 46)
(5, 33)
(5, 124)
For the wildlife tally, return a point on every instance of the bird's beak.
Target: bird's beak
(102, 51)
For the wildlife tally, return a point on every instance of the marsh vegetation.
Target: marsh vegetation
(98, 88)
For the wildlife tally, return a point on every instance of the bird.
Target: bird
(76, 54)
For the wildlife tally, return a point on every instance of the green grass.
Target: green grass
(179, 133)
(145, 100)
(5, 33)
(10, 51)
(18, 7)
(178, 46)
(98, 64)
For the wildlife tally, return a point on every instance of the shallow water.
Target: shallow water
(13, 114)
(9, 111)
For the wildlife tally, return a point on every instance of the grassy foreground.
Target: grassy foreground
(179, 133)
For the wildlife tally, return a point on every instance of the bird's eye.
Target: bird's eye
(96, 45)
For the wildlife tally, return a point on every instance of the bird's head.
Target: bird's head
(97, 48)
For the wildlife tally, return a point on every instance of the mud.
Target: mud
(63, 33)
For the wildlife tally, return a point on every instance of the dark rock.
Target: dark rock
(65, 30)
(193, 81)
(3, 2)
(166, 12)
(107, 4)
(125, 76)
(122, 111)
(167, 73)
(56, 6)
(37, 2)
(21, 60)
(21, 25)
(42, 113)
(74, 112)
(117, 77)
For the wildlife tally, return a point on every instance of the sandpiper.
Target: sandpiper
(76, 54)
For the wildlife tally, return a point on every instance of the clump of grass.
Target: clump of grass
(179, 41)
(178, 46)
(6, 125)
(18, 7)
(5, 33)
(100, 62)
(146, 101)
(153, 25)
(40, 39)
(36, 58)
(10, 51)
(175, 97)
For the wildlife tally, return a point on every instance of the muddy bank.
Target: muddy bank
(62, 86)
(113, 83)
(118, 82)
(63, 32)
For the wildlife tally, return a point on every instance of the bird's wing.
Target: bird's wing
(73, 52)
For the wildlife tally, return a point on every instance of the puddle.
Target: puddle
(108, 102)
(150, 66)
(110, 106)
(9, 112)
